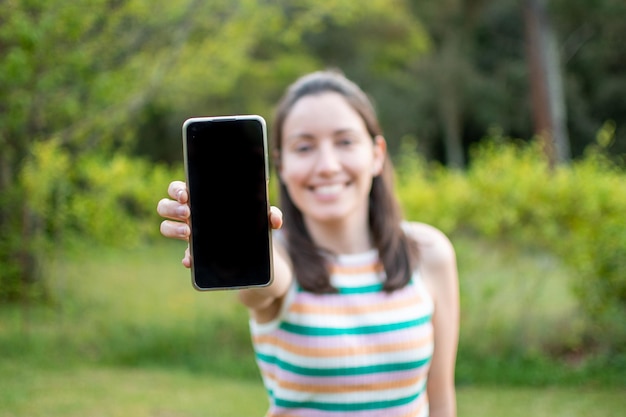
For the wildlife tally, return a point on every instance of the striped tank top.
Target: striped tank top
(361, 352)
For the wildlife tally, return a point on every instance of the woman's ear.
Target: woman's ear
(380, 153)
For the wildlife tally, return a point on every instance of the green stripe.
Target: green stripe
(373, 405)
(367, 289)
(343, 371)
(361, 290)
(332, 331)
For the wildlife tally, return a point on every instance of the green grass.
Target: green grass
(125, 334)
(121, 392)
(515, 297)
(138, 392)
(132, 308)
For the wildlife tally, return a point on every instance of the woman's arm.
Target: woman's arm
(439, 269)
(264, 303)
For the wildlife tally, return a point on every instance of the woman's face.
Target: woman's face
(328, 158)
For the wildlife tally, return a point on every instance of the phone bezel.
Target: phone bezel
(246, 117)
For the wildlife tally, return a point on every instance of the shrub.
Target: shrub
(104, 198)
(73, 199)
(575, 211)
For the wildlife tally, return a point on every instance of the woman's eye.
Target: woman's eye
(345, 141)
(303, 148)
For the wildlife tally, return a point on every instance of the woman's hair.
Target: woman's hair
(397, 252)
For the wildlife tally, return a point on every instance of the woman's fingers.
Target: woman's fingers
(175, 230)
(178, 191)
(187, 258)
(276, 217)
(172, 209)
(176, 210)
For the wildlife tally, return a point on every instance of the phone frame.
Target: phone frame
(245, 117)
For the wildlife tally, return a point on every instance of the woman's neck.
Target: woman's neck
(341, 237)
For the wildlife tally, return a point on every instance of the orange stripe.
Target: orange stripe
(342, 389)
(304, 308)
(356, 270)
(325, 352)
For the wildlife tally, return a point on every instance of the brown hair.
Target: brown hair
(398, 253)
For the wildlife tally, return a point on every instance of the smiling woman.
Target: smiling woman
(327, 164)
(362, 316)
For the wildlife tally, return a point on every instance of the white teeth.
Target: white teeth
(329, 189)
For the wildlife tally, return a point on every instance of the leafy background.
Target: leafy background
(92, 98)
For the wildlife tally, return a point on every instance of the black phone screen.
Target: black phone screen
(227, 179)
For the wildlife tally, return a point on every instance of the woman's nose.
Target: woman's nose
(327, 158)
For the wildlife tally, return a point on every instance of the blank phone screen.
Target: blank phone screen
(226, 166)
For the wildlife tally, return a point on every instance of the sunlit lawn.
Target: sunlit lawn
(127, 336)
(108, 391)
(119, 392)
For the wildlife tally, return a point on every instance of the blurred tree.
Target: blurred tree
(488, 79)
(378, 50)
(97, 76)
(78, 73)
(450, 67)
(70, 72)
(546, 82)
(591, 34)
(374, 42)
(441, 74)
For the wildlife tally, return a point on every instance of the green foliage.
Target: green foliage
(83, 81)
(104, 199)
(83, 84)
(575, 212)
(67, 200)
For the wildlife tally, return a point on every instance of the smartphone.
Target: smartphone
(227, 175)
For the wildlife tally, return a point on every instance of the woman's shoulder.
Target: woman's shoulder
(436, 261)
(434, 245)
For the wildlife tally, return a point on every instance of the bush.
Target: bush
(69, 199)
(575, 211)
(106, 198)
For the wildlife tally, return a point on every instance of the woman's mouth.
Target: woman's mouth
(328, 190)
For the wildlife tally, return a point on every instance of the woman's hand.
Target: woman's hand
(176, 212)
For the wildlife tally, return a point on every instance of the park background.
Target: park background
(506, 123)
